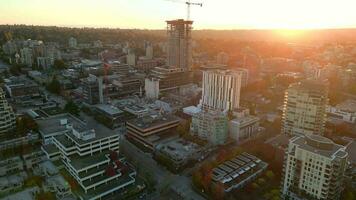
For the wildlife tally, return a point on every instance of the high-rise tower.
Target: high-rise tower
(179, 43)
(7, 116)
(304, 110)
(221, 90)
(314, 168)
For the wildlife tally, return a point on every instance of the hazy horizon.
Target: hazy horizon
(151, 14)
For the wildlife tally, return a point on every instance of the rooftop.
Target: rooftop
(52, 125)
(348, 105)
(152, 121)
(109, 109)
(320, 145)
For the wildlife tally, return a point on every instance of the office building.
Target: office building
(314, 168)
(304, 110)
(27, 57)
(21, 88)
(244, 76)
(148, 130)
(221, 90)
(7, 116)
(210, 125)
(244, 126)
(131, 58)
(343, 112)
(45, 62)
(179, 46)
(149, 51)
(72, 42)
(89, 153)
(9, 47)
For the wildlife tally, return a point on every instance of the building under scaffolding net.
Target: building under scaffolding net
(179, 44)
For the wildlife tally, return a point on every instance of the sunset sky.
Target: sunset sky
(151, 14)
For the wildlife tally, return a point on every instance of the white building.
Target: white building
(72, 42)
(304, 110)
(45, 62)
(243, 126)
(314, 168)
(343, 112)
(89, 152)
(7, 116)
(131, 58)
(149, 51)
(26, 55)
(244, 76)
(221, 90)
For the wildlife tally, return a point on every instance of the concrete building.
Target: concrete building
(97, 44)
(221, 90)
(7, 116)
(9, 47)
(243, 127)
(304, 110)
(131, 58)
(148, 130)
(27, 57)
(314, 168)
(109, 115)
(168, 78)
(179, 47)
(89, 153)
(244, 76)
(343, 112)
(72, 42)
(21, 88)
(11, 165)
(238, 172)
(210, 125)
(222, 58)
(149, 51)
(45, 62)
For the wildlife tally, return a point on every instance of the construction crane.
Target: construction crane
(188, 3)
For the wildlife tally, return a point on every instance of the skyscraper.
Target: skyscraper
(304, 110)
(179, 43)
(221, 90)
(314, 168)
(7, 116)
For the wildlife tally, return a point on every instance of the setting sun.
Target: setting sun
(222, 14)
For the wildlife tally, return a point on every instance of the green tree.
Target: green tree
(72, 108)
(270, 175)
(59, 64)
(54, 86)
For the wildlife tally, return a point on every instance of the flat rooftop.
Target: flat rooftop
(320, 145)
(53, 124)
(179, 148)
(152, 121)
(348, 106)
(109, 109)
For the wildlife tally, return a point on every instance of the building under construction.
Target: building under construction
(179, 51)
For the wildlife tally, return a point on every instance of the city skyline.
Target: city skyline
(143, 14)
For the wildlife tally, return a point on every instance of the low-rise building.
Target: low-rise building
(11, 165)
(20, 88)
(148, 130)
(238, 172)
(243, 127)
(343, 112)
(179, 151)
(109, 115)
(89, 153)
(210, 125)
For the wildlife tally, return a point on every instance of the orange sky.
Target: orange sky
(215, 14)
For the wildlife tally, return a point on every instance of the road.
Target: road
(164, 178)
